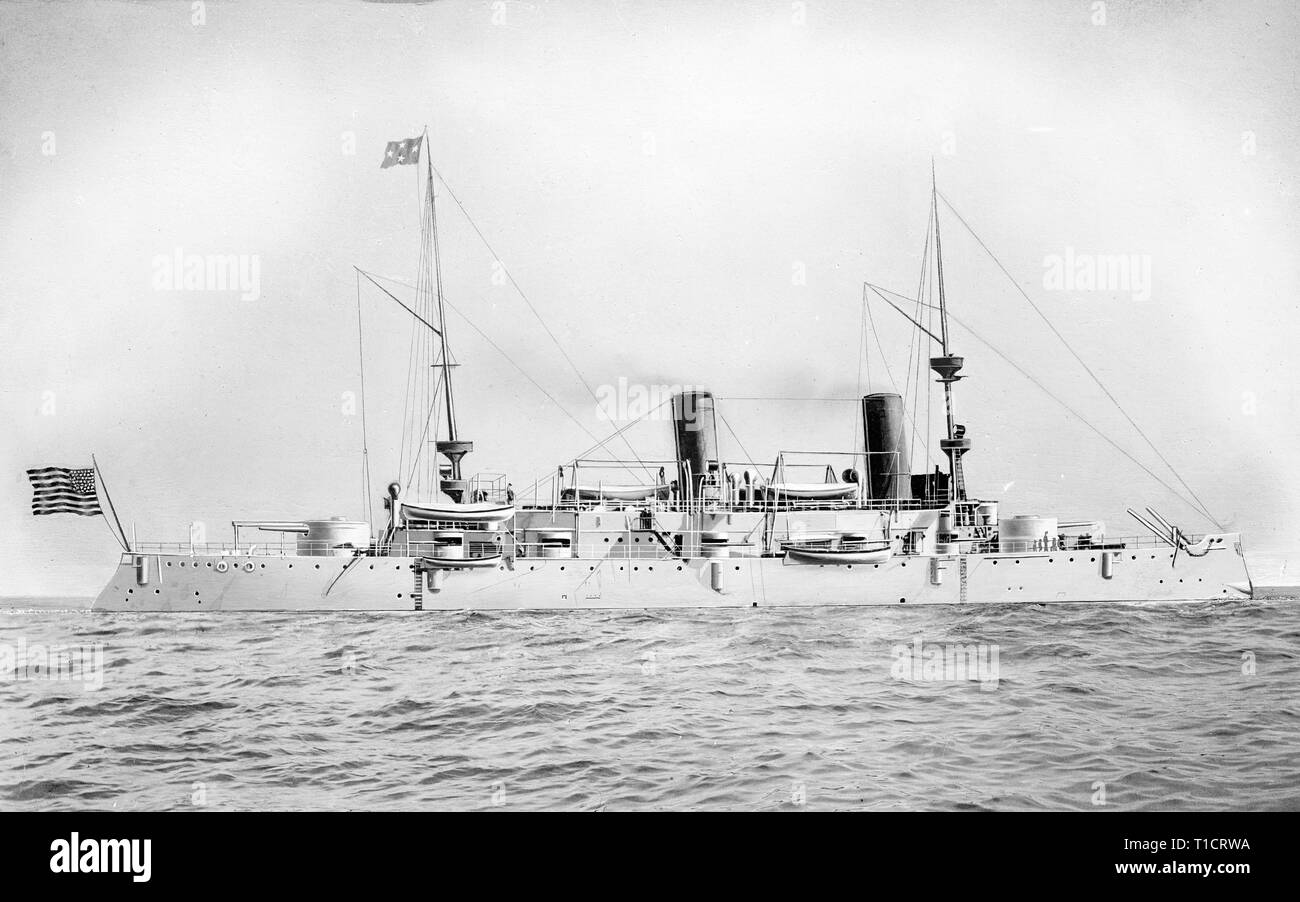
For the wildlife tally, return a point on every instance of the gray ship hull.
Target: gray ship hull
(188, 583)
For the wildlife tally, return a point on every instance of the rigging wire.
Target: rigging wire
(923, 283)
(929, 388)
(433, 417)
(1077, 415)
(1198, 503)
(786, 398)
(861, 433)
(550, 474)
(365, 444)
(914, 349)
(507, 357)
(509, 275)
(885, 361)
(739, 444)
(1045, 390)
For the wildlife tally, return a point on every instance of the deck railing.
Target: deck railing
(624, 548)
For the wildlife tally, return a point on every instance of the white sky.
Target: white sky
(651, 174)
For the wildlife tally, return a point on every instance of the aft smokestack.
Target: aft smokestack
(889, 465)
(696, 432)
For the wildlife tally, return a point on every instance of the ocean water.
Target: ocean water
(1088, 707)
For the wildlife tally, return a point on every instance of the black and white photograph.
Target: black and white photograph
(563, 406)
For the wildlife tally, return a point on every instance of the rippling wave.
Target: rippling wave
(1169, 706)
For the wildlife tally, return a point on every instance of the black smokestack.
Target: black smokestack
(889, 466)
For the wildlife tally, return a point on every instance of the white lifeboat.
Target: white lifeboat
(845, 553)
(809, 491)
(477, 512)
(460, 563)
(610, 492)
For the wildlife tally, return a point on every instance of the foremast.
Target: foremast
(451, 481)
(948, 367)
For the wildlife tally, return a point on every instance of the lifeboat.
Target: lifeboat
(851, 553)
(809, 491)
(478, 512)
(460, 563)
(605, 492)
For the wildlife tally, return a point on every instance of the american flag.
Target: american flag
(402, 153)
(59, 490)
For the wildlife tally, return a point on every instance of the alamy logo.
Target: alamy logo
(1098, 272)
(72, 663)
(180, 271)
(628, 401)
(102, 856)
(946, 662)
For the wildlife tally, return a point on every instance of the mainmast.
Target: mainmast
(452, 485)
(947, 367)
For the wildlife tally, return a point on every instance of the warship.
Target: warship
(852, 527)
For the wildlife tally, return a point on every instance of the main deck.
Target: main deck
(637, 576)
